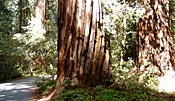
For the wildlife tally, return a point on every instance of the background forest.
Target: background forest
(30, 48)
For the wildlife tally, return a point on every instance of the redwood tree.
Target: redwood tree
(83, 53)
(40, 14)
(154, 37)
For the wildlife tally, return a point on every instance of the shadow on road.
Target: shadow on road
(17, 90)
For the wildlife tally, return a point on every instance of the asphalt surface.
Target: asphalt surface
(17, 90)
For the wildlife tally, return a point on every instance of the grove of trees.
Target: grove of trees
(88, 42)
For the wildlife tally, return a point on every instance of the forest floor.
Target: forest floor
(25, 90)
(37, 96)
(17, 90)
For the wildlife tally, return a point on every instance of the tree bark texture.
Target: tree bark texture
(154, 37)
(40, 8)
(83, 48)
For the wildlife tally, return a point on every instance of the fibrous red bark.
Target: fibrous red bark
(83, 52)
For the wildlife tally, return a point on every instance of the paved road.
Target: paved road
(17, 90)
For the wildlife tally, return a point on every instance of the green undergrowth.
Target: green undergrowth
(45, 85)
(128, 91)
(100, 93)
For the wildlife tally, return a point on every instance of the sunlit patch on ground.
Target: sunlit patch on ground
(167, 83)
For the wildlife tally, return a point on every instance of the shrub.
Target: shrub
(46, 85)
(74, 95)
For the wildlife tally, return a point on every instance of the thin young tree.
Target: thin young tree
(83, 51)
(20, 6)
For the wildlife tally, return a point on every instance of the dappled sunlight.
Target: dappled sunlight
(114, 50)
(36, 30)
(167, 83)
(34, 34)
(18, 90)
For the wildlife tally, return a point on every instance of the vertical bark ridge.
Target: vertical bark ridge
(81, 39)
(87, 60)
(81, 44)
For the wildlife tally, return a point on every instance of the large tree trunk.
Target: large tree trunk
(155, 40)
(83, 52)
(40, 8)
